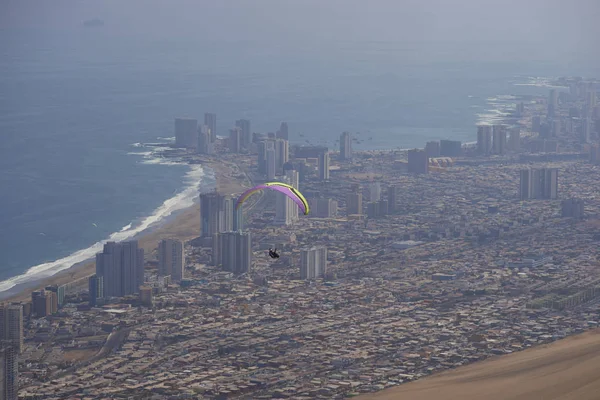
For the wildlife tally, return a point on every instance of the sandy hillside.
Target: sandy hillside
(565, 370)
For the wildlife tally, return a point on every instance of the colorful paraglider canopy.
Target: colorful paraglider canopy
(284, 188)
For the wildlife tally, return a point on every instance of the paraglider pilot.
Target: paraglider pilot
(273, 253)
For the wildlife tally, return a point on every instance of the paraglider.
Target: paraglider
(273, 253)
(284, 188)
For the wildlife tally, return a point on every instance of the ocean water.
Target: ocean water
(75, 110)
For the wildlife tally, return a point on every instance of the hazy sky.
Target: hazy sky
(562, 26)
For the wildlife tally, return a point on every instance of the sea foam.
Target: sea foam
(182, 200)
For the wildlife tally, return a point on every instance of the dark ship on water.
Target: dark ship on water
(93, 23)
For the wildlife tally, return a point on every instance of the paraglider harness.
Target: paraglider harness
(273, 253)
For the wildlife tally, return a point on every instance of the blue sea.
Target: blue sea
(78, 108)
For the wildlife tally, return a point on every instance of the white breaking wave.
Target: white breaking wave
(140, 153)
(180, 201)
(168, 139)
(537, 81)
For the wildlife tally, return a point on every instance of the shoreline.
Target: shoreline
(183, 224)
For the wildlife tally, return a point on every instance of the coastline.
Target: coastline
(183, 225)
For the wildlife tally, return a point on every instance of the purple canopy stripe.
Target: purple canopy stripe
(284, 188)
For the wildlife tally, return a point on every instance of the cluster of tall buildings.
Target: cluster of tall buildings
(232, 251)
(223, 225)
(494, 139)
(11, 345)
(539, 183)
(188, 134)
(272, 155)
(313, 262)
(218, 214)
(120, 268)
(580, 117)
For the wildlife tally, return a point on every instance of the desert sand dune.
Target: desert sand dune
(568, 369)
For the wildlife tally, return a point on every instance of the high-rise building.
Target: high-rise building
(263, 147)
(96, 289)
(375, 191)
(450, 148)
(53, 302)
(499, 142)
(286, 210)
(418, 162)
(514, 143)
(146, 296)
(484, 139)
(322, 208)
(433, 149)
(552, 103)
(555, 127)
(171, 259)
(392, 198)
(210, 120)
(205, 145)
(373, 209)
(354, 203)
(283, 206)
(121, 265)
(9, 372)
(60, 293)
(324, 166)
(11, 325)
(246, 133)
(549, 184)
(572, 208)
(271, 163)
(235, 140)
(346, 146)
(586, 130)
(282, 154)
(283, 133)
(238, 219)
(313, 262)
(41, 303)
(234, 251)
(538, 183)
(186, 132)
(590, 101)
(216, 214)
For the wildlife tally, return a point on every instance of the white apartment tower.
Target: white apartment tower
(346, 146)
(286, 211)
(313, 262)
(271, 166)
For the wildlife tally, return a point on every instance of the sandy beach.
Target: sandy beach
(184, 226)
(568, 369)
